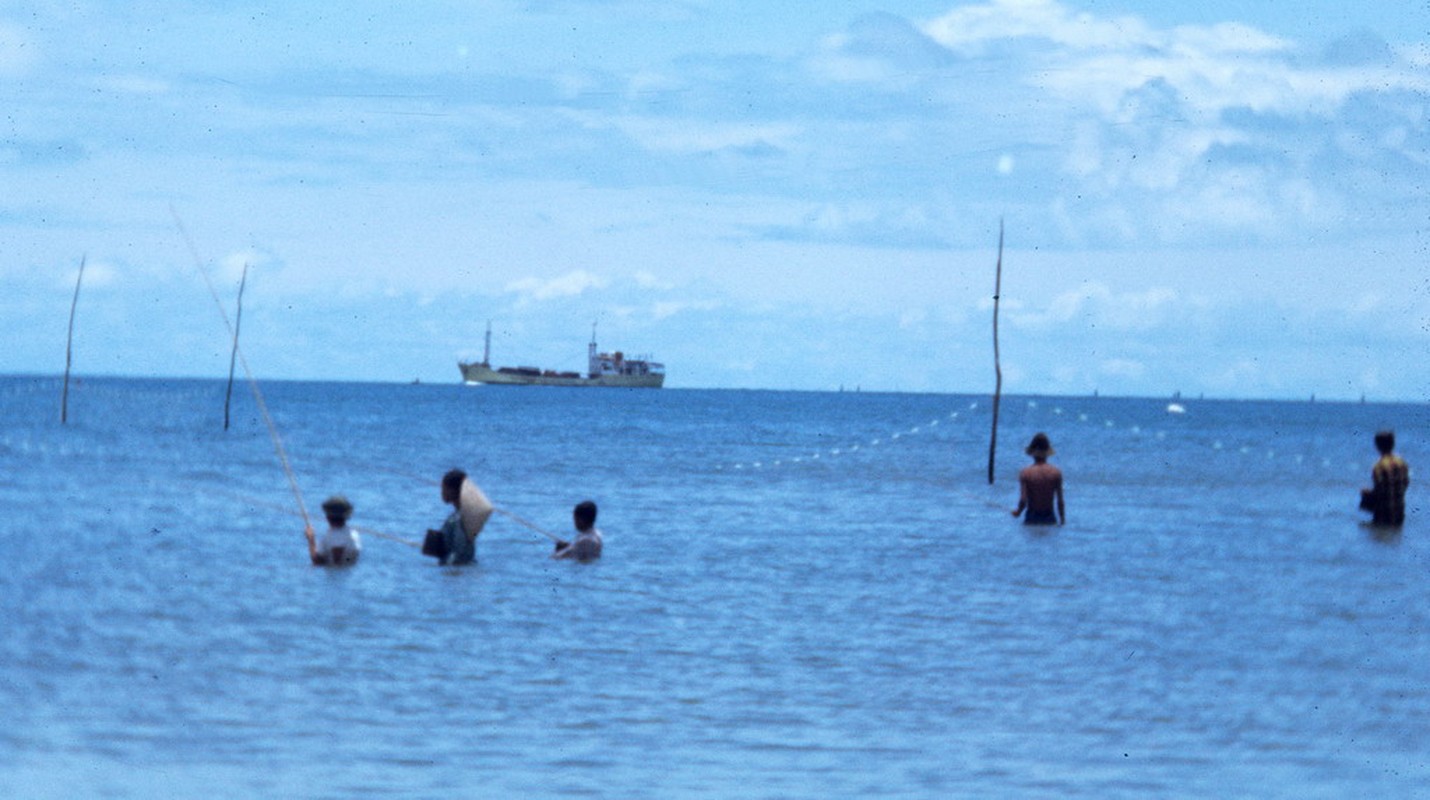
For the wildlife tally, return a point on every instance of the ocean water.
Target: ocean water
(802, 595)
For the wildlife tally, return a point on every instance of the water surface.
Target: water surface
(803, 595)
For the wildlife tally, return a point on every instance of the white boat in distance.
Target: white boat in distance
(603, 369)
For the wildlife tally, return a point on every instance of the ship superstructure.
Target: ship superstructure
(602, 369)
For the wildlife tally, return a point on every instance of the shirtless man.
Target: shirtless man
(1039, 485)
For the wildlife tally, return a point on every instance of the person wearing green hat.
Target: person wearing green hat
(340, 546)
(1040, 485)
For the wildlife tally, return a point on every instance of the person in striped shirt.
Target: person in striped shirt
(1389, 479)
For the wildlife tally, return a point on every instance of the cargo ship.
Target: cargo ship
(602, 369)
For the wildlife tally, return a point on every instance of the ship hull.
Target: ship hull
(479, 373)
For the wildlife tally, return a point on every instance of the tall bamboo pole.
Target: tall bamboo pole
(997, 366)
(252, 384)
(69, 346)
(233, 357)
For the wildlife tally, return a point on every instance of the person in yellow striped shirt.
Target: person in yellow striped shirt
(1390, 477)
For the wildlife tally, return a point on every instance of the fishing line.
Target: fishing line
(365, 531)
(548, 534)
(510, 515)
(893, 438)
(247, 373)
(1082, 417)
(845, 450)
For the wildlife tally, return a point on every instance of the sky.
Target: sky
(1229, 199)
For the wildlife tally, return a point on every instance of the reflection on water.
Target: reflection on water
(1383, 534)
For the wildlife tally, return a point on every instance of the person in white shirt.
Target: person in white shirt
(587, 544)
(339, 546)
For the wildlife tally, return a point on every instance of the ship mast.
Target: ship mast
(593, 366)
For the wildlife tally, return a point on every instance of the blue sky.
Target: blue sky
(1219, 198)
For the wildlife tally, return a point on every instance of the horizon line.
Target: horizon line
(1176, 396)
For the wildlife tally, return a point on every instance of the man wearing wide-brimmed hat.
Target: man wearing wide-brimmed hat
(1040, 485)
(455, 542)
(340, 546)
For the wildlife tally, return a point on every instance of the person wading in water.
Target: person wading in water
(1040, 485)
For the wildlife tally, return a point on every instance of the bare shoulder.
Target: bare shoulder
(1041, 472)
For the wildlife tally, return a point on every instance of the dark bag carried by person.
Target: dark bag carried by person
(1367, 500)
(435, 544)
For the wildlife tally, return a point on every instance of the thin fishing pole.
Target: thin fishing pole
(247, 373)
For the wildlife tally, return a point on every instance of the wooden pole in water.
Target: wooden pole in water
(252, 384)
(69, 346)
(233, 357)
(997, 367)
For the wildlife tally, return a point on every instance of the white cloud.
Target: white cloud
(682, 136)
(97, 275)
(842, 67)
(1160, 122)
(648, 280)
(1096, 61)
(970, 27)
(231, 266)
(1124, 152)
(569, 285)
(1007, 305)
(1367, 303)
(133, 84)
(1240, 373)
(1122, 368)
(665, 309)
(646, 83)
(1098, 306)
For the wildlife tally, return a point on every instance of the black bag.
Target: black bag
(434, 545)
(1367, 500)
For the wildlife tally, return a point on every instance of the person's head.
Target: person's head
(1385, 441)
(337, 509)
(1040, 448)
(584, 515)
(452, 485)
